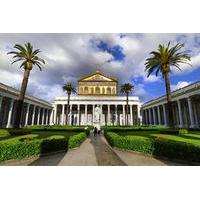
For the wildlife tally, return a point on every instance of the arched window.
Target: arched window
(81, 90)
(103, 90)
(113, 90)
(92, 90)
(86, 90)
(97, 90)
(108, 90)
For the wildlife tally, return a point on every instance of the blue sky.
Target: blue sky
(71, 56)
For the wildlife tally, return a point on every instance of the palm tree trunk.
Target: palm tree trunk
(68, 100)
(20, 100)
(169, 100)
(126, 109)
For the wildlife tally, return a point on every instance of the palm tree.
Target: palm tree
(69, 88)
(28, 58)
(161, 62)
(126, 88)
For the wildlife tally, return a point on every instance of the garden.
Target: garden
(39, 140)
(180, 144)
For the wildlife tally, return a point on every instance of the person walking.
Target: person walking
(95, 131)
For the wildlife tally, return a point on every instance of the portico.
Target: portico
(82, 110)
(35, 111)
(186, 108)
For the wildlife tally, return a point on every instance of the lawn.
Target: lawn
(192, 137)
(36, 135)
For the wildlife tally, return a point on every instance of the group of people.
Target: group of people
(97, 131)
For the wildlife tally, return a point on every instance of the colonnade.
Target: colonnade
(33, 113)
(186, 113)
(83, 114)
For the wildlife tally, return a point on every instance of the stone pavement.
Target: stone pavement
(93, 152)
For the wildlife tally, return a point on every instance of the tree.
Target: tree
(127, 88)
(28, 58)
(161, 62)
(69, 88)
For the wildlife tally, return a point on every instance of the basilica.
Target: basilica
(97, 102)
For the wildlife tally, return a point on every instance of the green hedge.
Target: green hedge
(158, 147)
(23, 131)
(128, 129)
(21, 149)
(76, 140)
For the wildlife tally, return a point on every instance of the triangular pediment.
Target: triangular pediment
(97, 77)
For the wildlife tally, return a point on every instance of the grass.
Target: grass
(39, 133)
(192, 137)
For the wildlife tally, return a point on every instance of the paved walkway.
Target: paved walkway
(93, 152)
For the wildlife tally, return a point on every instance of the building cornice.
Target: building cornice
(15, 92)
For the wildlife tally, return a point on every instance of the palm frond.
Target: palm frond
(26, 54)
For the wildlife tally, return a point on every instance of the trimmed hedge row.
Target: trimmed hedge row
(76, 140)
(132, 129)
(158, 147)
(19, 149)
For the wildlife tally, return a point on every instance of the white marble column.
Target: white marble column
(116, 116)
(86, 121)
(195, 114)
(27, 114)
(70, 115)
(180, 114)
(146, 117)
(150, 118)
(124, 118)
(51, 117)
(78, 116)
(159, 118)
(192, 125)
(39, 113)
(33, 116)
(63, 114)
(138, 115)
(1, 100)
(43, 113)
(47, 118)
(93, 107)
(164, 115)
(55, 114)
(154, 116)
(131, 114)
(108, 114)
(10, 113)
(101, 106)
(143, 117)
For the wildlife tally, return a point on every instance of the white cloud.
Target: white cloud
(180, 85)
(71, 56)
(152, 78)
(186, 68)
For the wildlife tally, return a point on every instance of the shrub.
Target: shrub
(19, 149)
(128, 129)
(134, 143)
(158, 147)
(183, 131)
(169, 131)
(76, 140)
(23, 131)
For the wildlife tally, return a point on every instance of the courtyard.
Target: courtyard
(77, 146)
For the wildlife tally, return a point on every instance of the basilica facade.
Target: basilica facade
(97, 102)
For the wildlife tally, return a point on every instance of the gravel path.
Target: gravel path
(93, 152)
